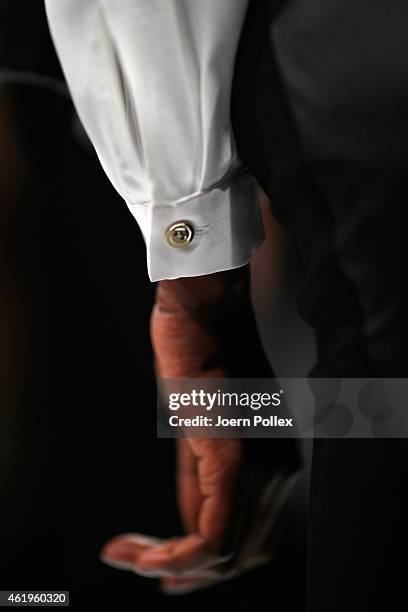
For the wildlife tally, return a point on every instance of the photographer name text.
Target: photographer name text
(220, 421)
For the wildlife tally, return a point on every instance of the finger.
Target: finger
(217, 467)
(123, 551)
(218, 464)
(189, 496)
(178, 557)
(193, 552)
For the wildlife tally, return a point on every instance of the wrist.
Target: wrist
(203, 297)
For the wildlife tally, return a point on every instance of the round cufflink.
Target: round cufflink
(179, 234)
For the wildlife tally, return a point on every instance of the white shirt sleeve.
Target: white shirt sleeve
(151, 81)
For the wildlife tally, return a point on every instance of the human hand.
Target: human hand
(229, 490)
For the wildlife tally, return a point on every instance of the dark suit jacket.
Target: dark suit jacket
(320, 113)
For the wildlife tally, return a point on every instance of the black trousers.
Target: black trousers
(320, 115)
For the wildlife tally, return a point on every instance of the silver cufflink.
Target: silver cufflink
(179, 234)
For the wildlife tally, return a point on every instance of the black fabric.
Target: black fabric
(320, 115)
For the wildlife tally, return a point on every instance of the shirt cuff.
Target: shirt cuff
(215, 230)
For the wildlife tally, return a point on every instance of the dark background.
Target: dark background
(80, 461)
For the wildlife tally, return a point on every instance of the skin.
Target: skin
(203, 327)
